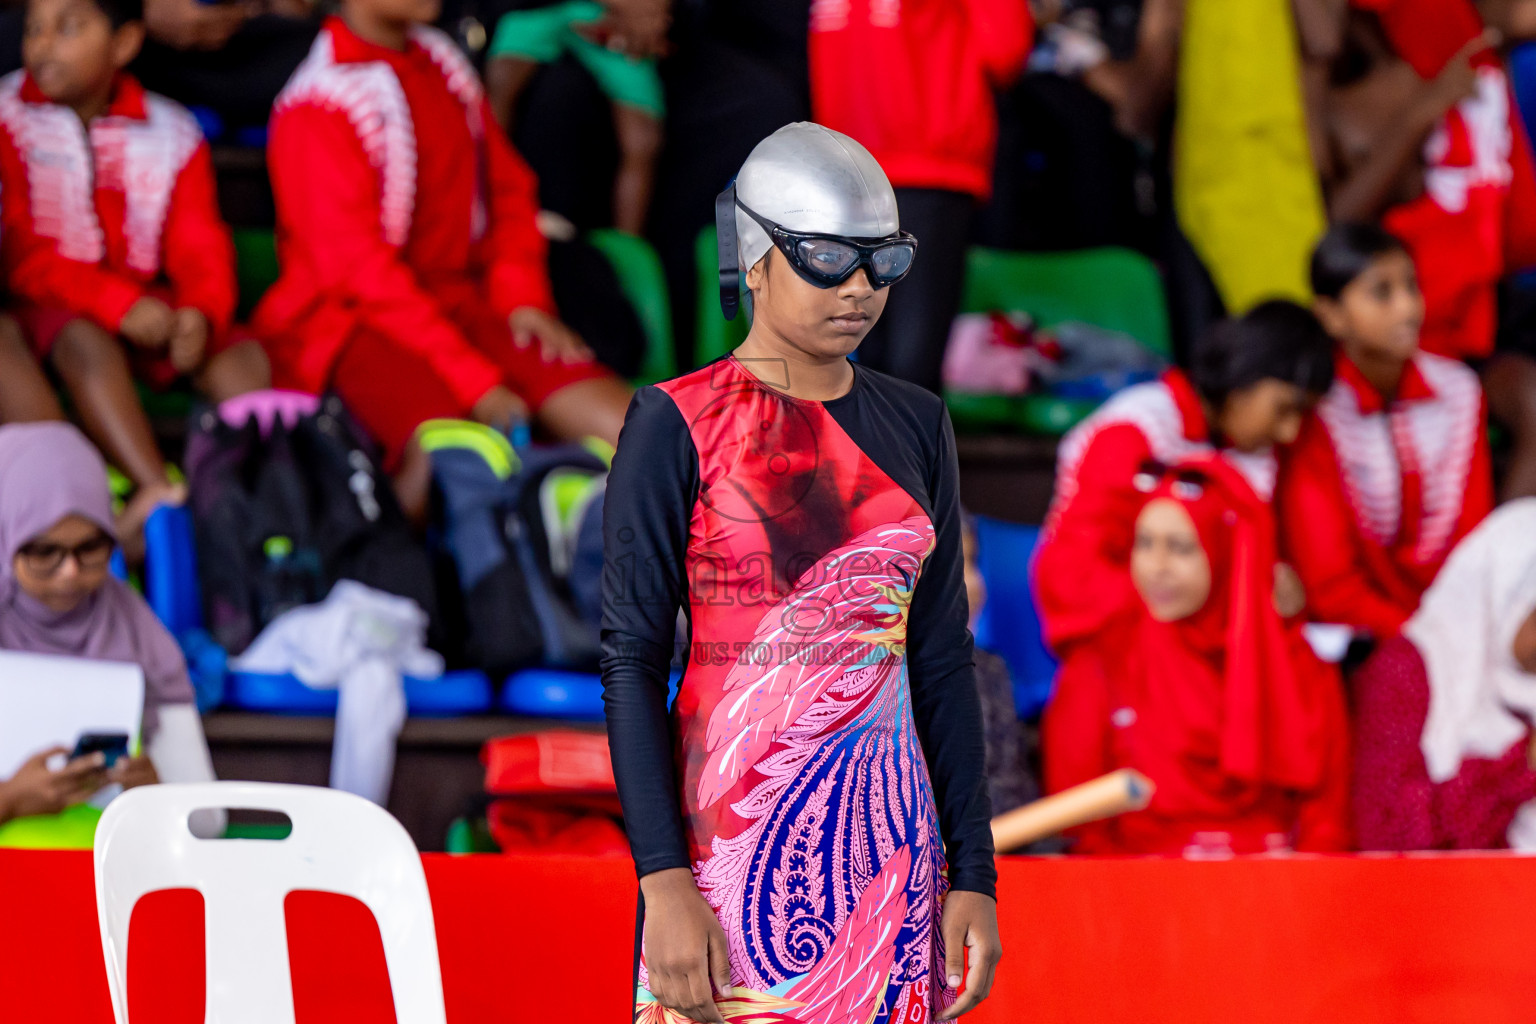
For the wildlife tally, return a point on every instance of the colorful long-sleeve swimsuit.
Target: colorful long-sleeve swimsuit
(823, 759)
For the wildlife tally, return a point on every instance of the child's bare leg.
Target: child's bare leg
(505, 80)
(238, 370)
(25, 394)
(587, 408)
(639, 136)
(413, 483)
(95, 369)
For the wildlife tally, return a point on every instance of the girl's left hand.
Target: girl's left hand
(129, 772)
(970, 923)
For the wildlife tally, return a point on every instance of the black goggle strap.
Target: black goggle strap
(730, 266)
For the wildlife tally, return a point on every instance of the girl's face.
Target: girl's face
(1168, 565)
(1263, 415)
(827, 323)
(1525, 644)
(1378, 315)
(64, 565)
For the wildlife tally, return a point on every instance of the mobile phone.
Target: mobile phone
(111, 745)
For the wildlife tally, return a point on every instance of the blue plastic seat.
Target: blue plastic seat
(559, 693)
(464, 692)
(1009, 623)
(554, 693)
(171, 588)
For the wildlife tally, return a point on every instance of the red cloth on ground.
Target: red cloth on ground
(913, 82)
(1397, 807)
(1476, 220)
(1080, 568)
(406, 223)
(1374, 494)
(93, 218)
(1228, 712)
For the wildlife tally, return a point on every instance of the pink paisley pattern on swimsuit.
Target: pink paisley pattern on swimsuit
(810, 813)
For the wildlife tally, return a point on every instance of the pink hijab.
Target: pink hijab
(49, 471)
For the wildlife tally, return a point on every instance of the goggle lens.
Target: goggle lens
(892, 263)
(826, 258)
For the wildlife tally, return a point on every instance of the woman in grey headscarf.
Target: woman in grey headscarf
(58, 596)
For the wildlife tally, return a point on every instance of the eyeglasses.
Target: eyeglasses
(826, 261)
(45, 559)
(1186, 484)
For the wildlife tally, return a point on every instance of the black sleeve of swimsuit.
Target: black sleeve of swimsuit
(646, 512)
(942, 674)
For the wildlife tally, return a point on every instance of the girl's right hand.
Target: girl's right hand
(38, 789)
(685, 947)
(148, 323)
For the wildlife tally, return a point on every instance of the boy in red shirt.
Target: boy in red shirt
(112, 230)
(1392, 468)
(922, 103)
(414, 279)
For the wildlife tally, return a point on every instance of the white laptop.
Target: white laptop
(50, 701)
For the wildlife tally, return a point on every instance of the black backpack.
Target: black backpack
(278, 518)
(517, 537)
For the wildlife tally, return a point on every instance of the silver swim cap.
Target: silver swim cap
(807, 178)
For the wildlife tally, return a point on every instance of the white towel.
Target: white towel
(361, 641)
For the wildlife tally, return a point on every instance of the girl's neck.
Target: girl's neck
(794, 371)
(385, 32)
(1384, 373)
(89, 110)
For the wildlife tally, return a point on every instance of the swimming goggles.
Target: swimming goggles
(823, 260)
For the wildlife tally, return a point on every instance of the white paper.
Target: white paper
(49, 701)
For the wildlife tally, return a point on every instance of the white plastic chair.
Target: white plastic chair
(340, 843)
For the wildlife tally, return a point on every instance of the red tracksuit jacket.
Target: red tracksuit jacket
(1476, 220)
(1374, 494)
(95, 217)
(912, 80)
(360, 246)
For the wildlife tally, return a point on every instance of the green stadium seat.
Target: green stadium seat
(715, 335)
(255, 266)
(1116, 289)
(645, 286)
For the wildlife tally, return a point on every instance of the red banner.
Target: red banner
(1394, 940)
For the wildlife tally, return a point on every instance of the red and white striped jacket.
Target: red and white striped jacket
(1375, 492)
(95, 214)
(393, 184)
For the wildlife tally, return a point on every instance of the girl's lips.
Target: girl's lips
(850, 321)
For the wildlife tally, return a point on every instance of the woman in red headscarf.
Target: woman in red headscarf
(1199, 684)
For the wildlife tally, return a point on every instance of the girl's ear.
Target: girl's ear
(126, 43)
(1330, 313)
(758, 272)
